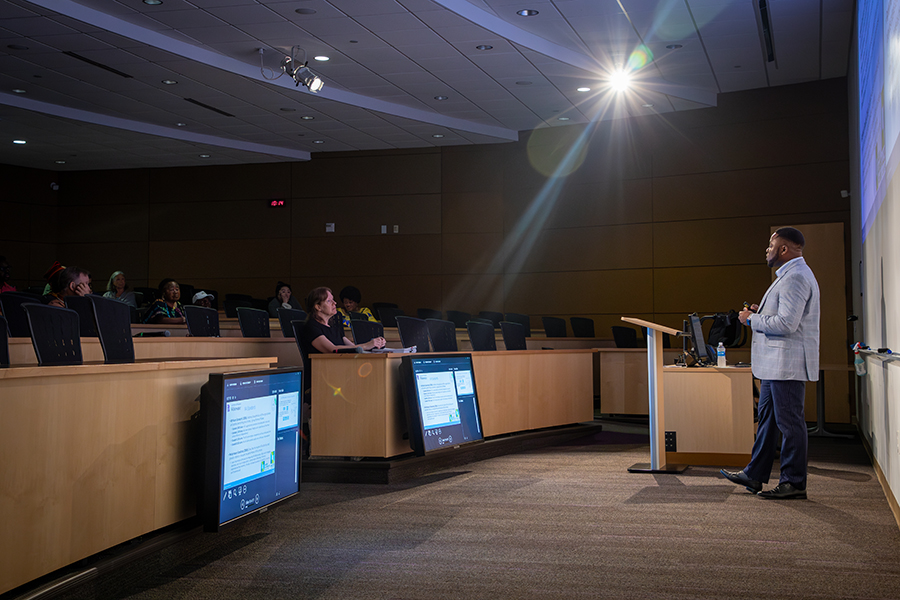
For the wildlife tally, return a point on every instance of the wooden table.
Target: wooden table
(358, 408)
(95, 455)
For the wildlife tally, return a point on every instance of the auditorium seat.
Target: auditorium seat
(231, 306)
(481, 335)
(413, 332)
(82, 305)
(113, 319)
(493, 317)
(16, 319)
(582, 327)
(254, 322)
(363, 331)
(388, 315)
(442, 335)
(523, 320)
(201, 321)
(513, 335)
(459, 318)
(286, 316)
(625, 337)
(54, 334)
(554, 327)
(428, 313)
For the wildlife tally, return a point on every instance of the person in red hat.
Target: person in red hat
(66, 281)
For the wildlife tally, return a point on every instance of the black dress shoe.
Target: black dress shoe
(740, 478)
(783, 491)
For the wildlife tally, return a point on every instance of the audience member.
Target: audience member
(282, 299)
(350, 299)
(117, 289)
(167, 310)
(4, 276)
(323, 331)
(203, 299)
(66, 281)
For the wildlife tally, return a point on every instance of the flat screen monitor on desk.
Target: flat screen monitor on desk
(699, 350)
(441, 401)
(252, 432)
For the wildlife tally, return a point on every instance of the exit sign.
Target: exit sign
(277, 203)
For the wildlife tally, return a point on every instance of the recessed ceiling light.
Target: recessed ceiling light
(583, 89)
(674, 46)
(441, 97)
(318, 141)
(204, 156)
(737, 66)
(619, 81)
(305, 11)
(18, 91)
(354, 41)
(527, 12)
(438, 135)
(647, 105)
(307, 118)
(60, 162)
(20, 142)
(153, 2)
(524, 82)
(322, 58)
(17, 47)
(169, 81)
(180, 124)
(563, 119)
(484, 47)
(287, 109)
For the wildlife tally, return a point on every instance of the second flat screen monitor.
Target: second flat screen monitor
(441, 400)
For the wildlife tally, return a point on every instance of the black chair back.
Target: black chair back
(4, 343)
(231, 307)
(428, 313)
(358, 316)
(493, 317)
(513, 335)
(625, 337)
(458, 318)
(285, 316)
(113, 320)
(523, 320)
(413, 332)
(187, 293)
(147, 295)
(253, 322)
(16, 319)
(442, 335)
(377, 305)
(481, 335)
(388, 315)
(554, 327)
(363, 331)
(582, 326)
(201, 321)
(82, 305)
(55, 334)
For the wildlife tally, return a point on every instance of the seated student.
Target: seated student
(66, 281)
(283, 299)
(203, 299)
(4, 276)
(350, 299)
(117, 289)
(167, 310)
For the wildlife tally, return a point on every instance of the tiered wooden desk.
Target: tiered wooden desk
(95, 455)
(358, 409)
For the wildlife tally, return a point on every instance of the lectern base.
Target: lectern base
(645, 468)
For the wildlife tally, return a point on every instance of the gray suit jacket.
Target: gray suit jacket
(786, 326)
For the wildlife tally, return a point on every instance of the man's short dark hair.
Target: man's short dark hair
(61, 280)
(351, 293)
(792, 235)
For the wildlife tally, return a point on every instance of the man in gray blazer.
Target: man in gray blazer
(784, 355)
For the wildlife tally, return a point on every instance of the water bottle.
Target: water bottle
(720, 355)
(859, 363)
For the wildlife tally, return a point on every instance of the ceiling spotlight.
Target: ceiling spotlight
(204, 156)
(20, 142)
(674, 47)
(619, 81)
(60, 162)
(305, 11)
(484, 47)
(287, 109)
(562, 119)
(180, 124)
(437, 135)
(441, 97)
(322, 58)
(299, 72)
(524, 82)
(647, 105)
(153, 2)
(169, 81)
(318, 141)
(527, 12)
(583, 89)
(18, 91)
(307, 118)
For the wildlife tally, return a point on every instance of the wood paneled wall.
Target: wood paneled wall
(654, 217)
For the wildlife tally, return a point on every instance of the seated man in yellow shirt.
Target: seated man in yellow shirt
(350, 298)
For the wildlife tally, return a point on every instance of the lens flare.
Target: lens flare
(555, 152)
(640, 58)
(619, 81)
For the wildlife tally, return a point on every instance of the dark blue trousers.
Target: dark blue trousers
(780, 409)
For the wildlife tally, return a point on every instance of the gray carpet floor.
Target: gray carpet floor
(562, 522)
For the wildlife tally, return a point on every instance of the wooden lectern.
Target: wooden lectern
(657, 462)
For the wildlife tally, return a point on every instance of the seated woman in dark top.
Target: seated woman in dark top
(323, 331)
(282, 299)
(167, 310)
